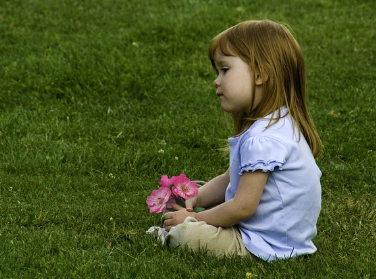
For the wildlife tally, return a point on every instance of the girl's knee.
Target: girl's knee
(190, 233)
(199, 236)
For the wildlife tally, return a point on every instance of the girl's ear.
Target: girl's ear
(259, 80)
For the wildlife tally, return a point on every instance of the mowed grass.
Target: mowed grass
(99, 98)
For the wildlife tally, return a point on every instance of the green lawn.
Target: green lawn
(99, 98)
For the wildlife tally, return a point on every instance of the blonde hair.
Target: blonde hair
(272, 52)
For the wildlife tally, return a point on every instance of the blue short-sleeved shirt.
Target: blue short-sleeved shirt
(284, 223)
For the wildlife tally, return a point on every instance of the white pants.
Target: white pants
(199, 236)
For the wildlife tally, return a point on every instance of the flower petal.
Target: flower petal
(184, 187)
(158, 199)
(165, 181)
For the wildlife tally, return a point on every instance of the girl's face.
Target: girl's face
(235, 84)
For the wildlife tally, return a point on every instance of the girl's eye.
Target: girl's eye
(224, 69)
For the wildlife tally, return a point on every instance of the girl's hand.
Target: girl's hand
(172, 219)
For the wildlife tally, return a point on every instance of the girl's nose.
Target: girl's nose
(216, 82)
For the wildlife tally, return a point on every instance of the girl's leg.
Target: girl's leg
(201, 236)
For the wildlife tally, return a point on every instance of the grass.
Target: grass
(99, 98)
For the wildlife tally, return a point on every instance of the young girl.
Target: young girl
(267, 203)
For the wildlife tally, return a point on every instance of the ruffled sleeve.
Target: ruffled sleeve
(262, 153)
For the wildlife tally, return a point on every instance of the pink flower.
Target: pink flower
(165, 182)
(171, 201)
(184, 187)
(159, 199)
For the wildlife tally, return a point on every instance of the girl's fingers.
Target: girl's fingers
(177, 207)
(168, 224)
(188, 206)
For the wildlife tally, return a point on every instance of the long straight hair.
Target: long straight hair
(271, 51)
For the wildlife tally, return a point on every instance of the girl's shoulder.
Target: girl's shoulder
(278, 126)
(273, 126)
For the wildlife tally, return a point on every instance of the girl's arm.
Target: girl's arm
(229, 213)
(210, 194)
